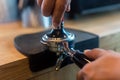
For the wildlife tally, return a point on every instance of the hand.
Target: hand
(54, 8)
(106, 66)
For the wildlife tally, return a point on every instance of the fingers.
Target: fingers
(86, 73)
(47, 7)
(89, 71)
(95, 53)
(68, 8)
(39, 2)
(60, 8)
(54, 8)
(80, 76)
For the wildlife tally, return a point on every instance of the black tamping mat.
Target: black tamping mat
(39, 55)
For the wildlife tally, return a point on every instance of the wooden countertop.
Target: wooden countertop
(8, 53)
(12, 61)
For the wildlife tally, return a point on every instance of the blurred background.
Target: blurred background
(30, 15)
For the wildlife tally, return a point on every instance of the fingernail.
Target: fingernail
(68, 8)
(87, 50)
(56, 25)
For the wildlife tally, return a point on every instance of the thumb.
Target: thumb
(95, 53)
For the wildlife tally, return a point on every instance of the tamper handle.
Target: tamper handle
(80, 59)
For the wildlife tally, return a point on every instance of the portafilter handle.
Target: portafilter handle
(78, 57)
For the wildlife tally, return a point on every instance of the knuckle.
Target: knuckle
(87, 71)
(45, 11)
(98, 50)
(62, 6)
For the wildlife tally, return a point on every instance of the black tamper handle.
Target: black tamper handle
(80, 59)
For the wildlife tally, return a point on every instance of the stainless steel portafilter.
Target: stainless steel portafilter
(61, 42)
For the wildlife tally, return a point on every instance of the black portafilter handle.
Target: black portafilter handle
(80, 59)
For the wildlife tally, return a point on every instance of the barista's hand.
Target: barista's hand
(105, 67)
(54, 8)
